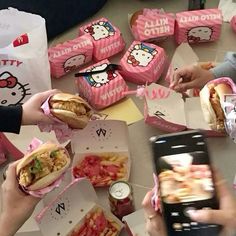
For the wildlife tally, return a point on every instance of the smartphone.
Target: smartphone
(184, 171)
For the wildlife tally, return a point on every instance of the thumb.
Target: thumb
(44, 95)
(209, 216)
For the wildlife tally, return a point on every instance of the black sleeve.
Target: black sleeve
(60, 15)
(10, 119)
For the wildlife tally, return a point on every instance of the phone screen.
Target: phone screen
(186, 182)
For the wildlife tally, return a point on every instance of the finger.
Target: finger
(44, 95)
(209, 216)
(11, 179)
(147, 205)
(182, 87)
(180, 74)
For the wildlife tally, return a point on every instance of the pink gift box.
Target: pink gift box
(70, 55)
(107, 38)
(143, 63)
(233, 23)
(198, 26)
(102, 89)
(153, 25)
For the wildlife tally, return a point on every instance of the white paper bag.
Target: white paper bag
(24, 65)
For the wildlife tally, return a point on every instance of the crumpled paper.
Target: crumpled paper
(228, 8)
(35, 143)
(62, 131)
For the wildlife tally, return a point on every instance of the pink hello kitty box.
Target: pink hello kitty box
(102, 89)
(166, 110)
(69, 55)
(143, 63)
(107, 38)
(233, 23)
(153, 25)
(198, 26)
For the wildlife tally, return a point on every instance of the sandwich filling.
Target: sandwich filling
(75, 107)
(215, 103)
(42, 165)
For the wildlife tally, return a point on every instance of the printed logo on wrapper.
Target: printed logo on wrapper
(107, 38)
(21, 40)
(198, 26)
(141, 55)
(102, 89)
(100, 30)
(143, 63)
(70, 55)
(153, 25)
(100, 79)
(12, 91)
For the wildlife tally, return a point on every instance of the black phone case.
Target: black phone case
(175, 214)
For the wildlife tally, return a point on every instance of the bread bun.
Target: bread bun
(71, 109)
(135, 17)
(211, 96)
(42, 167)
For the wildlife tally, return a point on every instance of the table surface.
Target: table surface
(222, 149)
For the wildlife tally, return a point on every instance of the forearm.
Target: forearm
(8, 225)
(227, 68)
(10, 118)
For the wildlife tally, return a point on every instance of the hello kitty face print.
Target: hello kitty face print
(141, 55)
(100, 79)
(12, 92)
(100, 30)
(199, 34)
(73, 62)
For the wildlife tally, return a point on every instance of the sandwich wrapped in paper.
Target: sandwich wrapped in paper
(212, 98)
(42, 167)
(71, 109)
(68, 112)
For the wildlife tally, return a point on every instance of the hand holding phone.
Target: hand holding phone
(186, 182)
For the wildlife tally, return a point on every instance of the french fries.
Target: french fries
(96, 223)
(102, 169)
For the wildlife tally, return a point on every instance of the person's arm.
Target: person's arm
(30, 113)
(10, 118)
(227, 68)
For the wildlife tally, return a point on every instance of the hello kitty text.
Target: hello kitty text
(185, 19)
(74, 47)
(9, 62)
(159, 26)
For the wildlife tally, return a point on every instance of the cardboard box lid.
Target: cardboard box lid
(169, 108)
(173, 108)
(101, 136)
(69, 208)
(136, 223)
(61, 216)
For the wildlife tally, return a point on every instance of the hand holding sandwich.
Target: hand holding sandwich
(17, 207)
(32, 112)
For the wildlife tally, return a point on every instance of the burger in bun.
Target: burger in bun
(71, 109)
(211, 96)
(42, 167)
(134, 18)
